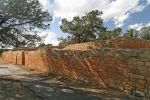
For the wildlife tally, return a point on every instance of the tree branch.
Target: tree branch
(20, 24)
(4, 20)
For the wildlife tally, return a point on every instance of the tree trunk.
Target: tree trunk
(78, 38)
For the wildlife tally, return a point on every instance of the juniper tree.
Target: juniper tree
(18, 18)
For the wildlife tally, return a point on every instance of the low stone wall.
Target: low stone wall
(34, 61)
(9, 56)
(125, 69)
(16, 57)
(119, 42)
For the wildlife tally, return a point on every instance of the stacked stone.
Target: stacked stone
(125, 69)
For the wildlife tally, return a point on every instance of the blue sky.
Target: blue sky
(116, 13)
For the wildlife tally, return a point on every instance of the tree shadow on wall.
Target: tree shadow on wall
(95, 67)
(72, 65)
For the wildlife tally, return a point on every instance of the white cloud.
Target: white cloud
(60, 23)
(46, 5)
(138, 8)
(148, 1)
(138, 26)
(116, 10)
(120, 19)
(70, 8)
(49, 38)
(148, 24)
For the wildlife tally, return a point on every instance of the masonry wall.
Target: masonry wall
(9, 56)
(125, 69)
(120, 42)
(34, 61)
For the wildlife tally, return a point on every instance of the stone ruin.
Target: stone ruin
(123, 63)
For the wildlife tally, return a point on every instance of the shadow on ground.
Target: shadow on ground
(18, 84)
(33, 87)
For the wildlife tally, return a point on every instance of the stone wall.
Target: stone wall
(125, 69)
(34, 61)
(120, 42)
(9, 56)
(16, 57)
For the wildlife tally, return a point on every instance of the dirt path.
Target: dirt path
(18, 84)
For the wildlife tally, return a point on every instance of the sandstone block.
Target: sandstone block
(145, 73)
(148, 69)
(138, 76)
(147, 64)
(142, 68)
(132, 61)
(140, 63)
(140, 84)
(148, 79)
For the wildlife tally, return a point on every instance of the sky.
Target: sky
(125, 14)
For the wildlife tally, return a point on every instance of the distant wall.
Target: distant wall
(120, 42)
(2, 50)
(34, 61)
(16, 57)
(9, 56)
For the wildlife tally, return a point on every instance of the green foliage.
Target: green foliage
(90, 28)
(145, 33)
(106, 34)
(65, 41)
(86, 28)
(132, 33)
(116, 32)
(20, 17)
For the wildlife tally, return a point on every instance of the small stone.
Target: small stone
(148, 69)
(148, 79)
(147, 64)
(132, 61)
(138, 76)
(139, 93)
(140, 63)
(145, 73)
(142, 68)
(141, 84)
